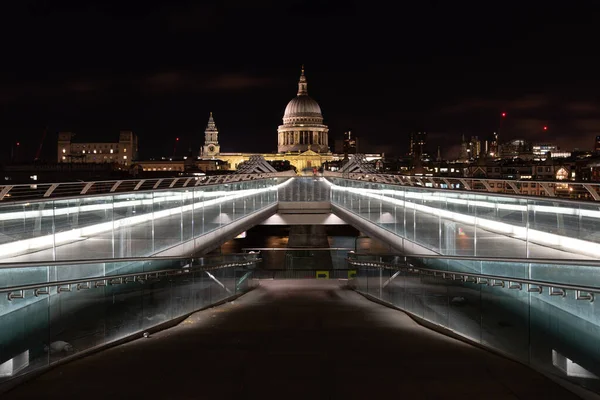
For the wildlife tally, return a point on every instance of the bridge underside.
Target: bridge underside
(304, 213)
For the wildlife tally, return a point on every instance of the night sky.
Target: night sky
(382, 69)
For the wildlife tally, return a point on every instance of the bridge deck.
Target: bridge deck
(294, 339)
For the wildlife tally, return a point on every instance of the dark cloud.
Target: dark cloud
(240, 82)
(588, 125)
(583, 107)
(183, 82)
(522, 103)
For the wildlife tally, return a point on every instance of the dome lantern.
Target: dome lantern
(302, 85)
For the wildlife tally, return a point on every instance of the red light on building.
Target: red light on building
(503, 115)
(177, 139)
(18, 143)
(545, 128)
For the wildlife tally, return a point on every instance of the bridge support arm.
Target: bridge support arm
(465, 184)
(592, 191)
(211, 276)
(512, 186)
(548, 189)
(391, 278)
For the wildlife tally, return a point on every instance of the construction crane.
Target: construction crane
(175, 147)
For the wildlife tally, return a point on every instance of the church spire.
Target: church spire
(211, 132)
(211, 124)
(211, 146)
(302, 90)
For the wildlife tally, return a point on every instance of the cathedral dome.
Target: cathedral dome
(302, 108)
(303, 127)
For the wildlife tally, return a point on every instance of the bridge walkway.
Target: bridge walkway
(294, 339)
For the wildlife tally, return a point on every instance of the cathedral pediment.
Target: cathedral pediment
(308, 153)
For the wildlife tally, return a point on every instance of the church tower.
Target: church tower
(211, 146)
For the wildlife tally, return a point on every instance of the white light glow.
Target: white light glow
(403, 199)
(199, 199)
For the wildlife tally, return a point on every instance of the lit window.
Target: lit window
(94, 151)
(124, 150)
(111, 151)
(83, 151)
(124, 157)
(64, 151)
(64, 158)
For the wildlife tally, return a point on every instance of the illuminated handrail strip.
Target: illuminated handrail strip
(469, 185)
(182, 196)
(520, 232)
(40, 242)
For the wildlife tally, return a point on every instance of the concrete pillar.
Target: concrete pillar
(311, 237)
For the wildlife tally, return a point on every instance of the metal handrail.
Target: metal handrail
(50, 191)
(553, 261)
(582, 292)
(59, 263)
(115, 279)
(418, 182)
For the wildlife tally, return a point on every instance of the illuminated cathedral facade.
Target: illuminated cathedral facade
(302, 139)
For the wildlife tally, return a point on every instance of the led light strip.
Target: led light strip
(548, 239)
(42, 242)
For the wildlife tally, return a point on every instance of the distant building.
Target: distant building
(517, 148)
(350, 144)
(122, 152)
(540, 151)
(597, 145)
(302, 139)
(211, 146)
(493, 150)
(303, 129)
(182, 165)
(474, 147)
(302, 143)
(418, 143)
(464, 155)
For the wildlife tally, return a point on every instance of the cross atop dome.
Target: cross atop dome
(302, 85)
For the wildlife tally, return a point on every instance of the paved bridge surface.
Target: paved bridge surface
(294, 340)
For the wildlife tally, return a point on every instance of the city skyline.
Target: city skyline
(160, 69)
